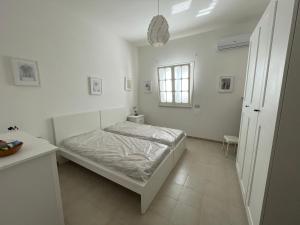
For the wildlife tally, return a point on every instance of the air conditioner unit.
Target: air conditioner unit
(234, 42)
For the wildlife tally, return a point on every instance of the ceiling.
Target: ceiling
(130, 18)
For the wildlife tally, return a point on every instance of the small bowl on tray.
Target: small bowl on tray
(9, 150)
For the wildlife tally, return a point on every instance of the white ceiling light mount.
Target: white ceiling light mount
(158, 31)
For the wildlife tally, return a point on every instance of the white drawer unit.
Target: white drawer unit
(136, 119)
(30, 192)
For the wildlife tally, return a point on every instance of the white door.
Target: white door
(267, 111)
(252, 56)
(251, 130)
(248, 118)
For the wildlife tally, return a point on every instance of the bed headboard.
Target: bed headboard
(74, 124)
(112, 116)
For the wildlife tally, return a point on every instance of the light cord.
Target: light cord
(158, 7)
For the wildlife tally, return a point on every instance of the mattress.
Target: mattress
(161, 135)
(129, 156)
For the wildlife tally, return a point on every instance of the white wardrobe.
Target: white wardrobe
(269, 55)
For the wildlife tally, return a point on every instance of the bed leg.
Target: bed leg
(145, 203)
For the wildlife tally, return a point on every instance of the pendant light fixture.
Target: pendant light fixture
(158, 31)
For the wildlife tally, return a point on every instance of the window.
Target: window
(175, 85)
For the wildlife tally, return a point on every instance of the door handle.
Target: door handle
(247, 106)
(256, 110)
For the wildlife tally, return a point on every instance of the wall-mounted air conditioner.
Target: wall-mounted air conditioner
(234, 42)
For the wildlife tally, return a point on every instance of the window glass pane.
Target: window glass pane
(177, 71)
(169, 85)
(168, 73)
(177, 85)
(162, 85)
(162, 75)
(185, 72)
(174, 84)
(169, 97)
(185, 97)
(163, 97)
(178, 97)
(185, 84)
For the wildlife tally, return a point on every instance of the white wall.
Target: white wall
(68, 50)
(219, 114)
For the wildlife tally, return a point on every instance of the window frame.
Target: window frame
(190, 85)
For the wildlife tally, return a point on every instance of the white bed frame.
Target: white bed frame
(70, 125)
(111, 116)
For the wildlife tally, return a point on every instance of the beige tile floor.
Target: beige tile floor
(203, 189)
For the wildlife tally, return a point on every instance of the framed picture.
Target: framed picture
(95, 85)
(127, 84)
(25, 72)
(226, 84)
(148, 86)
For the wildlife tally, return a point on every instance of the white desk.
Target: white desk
(30, 192)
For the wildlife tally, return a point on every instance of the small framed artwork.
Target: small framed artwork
(95, 85)
(127, 84)
(148, 86)
(25, 72)
(226, 84)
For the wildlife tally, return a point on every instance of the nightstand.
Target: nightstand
(136, 119)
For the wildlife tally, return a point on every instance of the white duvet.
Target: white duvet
(161, 135)
(132, 157)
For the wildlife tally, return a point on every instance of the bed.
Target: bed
(162, 135)
(132, 157)
(71, 135)
(114, 121)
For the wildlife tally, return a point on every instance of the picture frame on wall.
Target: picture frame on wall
(25, 72)
(95, 85)
(148, 86)
(226, 84)
(127, 83)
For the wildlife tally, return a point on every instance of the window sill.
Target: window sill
(176, 105)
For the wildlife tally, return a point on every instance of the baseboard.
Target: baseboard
(204, 139)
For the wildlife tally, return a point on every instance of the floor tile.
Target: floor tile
(163, 206)
(191, 198)
(214, 212)
(185, 215)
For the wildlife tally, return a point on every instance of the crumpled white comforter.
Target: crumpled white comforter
(161, 135)
(132, 157)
